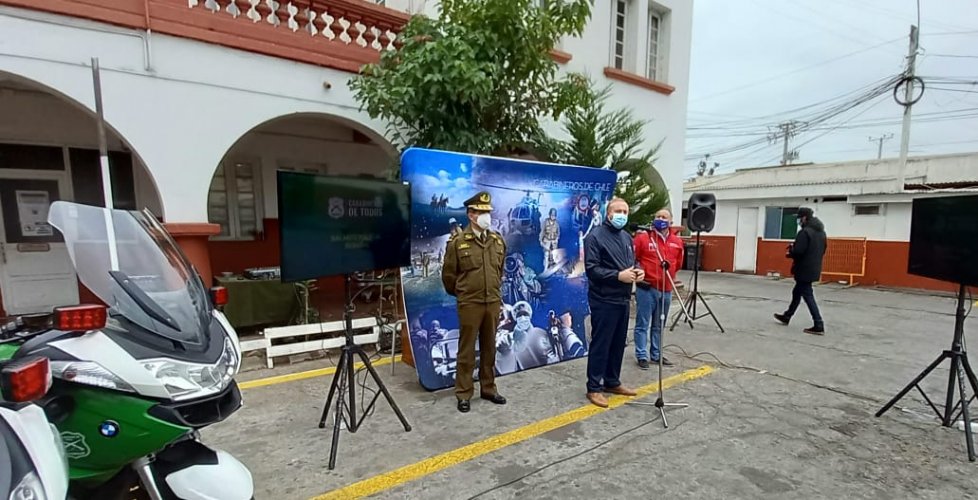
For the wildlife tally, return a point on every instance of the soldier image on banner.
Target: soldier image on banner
(521, 345)
(549, 238)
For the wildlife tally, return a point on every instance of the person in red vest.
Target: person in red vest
(657, 252)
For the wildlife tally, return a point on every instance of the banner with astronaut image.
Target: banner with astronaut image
(543, 211)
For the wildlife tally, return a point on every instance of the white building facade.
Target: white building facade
(858, 201)
(206, 99)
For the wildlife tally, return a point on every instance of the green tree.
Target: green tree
(477, 79)
(602, 138)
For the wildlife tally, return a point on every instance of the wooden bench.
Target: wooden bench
(270, 336)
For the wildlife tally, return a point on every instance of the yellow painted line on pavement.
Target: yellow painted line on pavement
(437, 463)
(322, 372)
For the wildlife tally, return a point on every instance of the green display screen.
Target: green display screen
(333, 225)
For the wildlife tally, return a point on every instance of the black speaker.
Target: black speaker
(701, 212)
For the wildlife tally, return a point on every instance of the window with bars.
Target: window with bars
(652, 65)
(620, 33)
(234, 200)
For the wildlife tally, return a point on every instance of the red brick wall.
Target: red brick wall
(770, 257)
(886, 264)
(718, 252)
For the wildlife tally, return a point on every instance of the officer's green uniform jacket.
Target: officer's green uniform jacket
(473, 268)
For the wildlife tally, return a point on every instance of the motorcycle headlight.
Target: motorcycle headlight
(88, 373)
(29, 488)
(193, 380)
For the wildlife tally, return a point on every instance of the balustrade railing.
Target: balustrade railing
(342, 34)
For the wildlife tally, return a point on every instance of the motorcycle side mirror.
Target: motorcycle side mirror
(25, 379)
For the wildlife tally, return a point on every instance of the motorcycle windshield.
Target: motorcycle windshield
(133, 265)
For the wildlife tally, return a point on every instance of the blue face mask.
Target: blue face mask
(619, 220)
(660, 224)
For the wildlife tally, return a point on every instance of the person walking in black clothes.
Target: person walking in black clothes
(807, 252)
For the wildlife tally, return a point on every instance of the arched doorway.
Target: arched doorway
(48, 152)
(243, 201)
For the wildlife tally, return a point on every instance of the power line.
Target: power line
(874, 122)
(953, 33)
(955, 90)
(799, 70)
(953, 55)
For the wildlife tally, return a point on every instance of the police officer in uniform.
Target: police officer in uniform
(473, 273)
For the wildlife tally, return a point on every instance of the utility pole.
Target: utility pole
(786, 130)
(880, 139)
(907, 105)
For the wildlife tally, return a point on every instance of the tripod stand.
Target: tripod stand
(689, 311)
(659, 402)
(345, 368)
(960, 367)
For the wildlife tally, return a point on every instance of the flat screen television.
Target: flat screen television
(332, 225)
(944, 239)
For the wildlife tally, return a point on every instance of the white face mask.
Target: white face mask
(484, 221)
(523, 323)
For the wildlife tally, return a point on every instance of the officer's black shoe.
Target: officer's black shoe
(495, 398)
(463, 405)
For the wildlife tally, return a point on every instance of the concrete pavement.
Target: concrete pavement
(785, 414)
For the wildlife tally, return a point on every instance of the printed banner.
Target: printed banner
(543, 211)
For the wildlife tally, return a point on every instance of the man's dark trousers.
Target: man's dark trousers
(609, 330)
(803, 290)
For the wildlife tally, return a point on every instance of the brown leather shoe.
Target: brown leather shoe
(622, 390)
(597, 399)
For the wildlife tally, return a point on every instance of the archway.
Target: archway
(49, 151)
(243, 202)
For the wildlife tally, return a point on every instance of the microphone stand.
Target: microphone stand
(659, 402)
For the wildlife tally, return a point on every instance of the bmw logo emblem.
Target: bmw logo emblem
(108, 429)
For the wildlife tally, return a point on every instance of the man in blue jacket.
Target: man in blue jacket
(609, 261)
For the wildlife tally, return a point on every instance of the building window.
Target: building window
(652, 65)
(620, 35)
(234, 200)
(304, 167)
(780, 223)
(867, 210)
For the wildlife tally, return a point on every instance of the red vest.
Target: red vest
(672, 250)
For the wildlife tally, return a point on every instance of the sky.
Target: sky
(755, 62)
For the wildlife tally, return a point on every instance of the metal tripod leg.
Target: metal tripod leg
(714, 316)
(684, 312)
(332, 391)
(913, 383)
(383, 389)
(659, 403)
(661, 406)
(969, 438)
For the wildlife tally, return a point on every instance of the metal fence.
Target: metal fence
(845, 257)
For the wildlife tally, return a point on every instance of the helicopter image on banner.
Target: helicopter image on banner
(524, 217)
